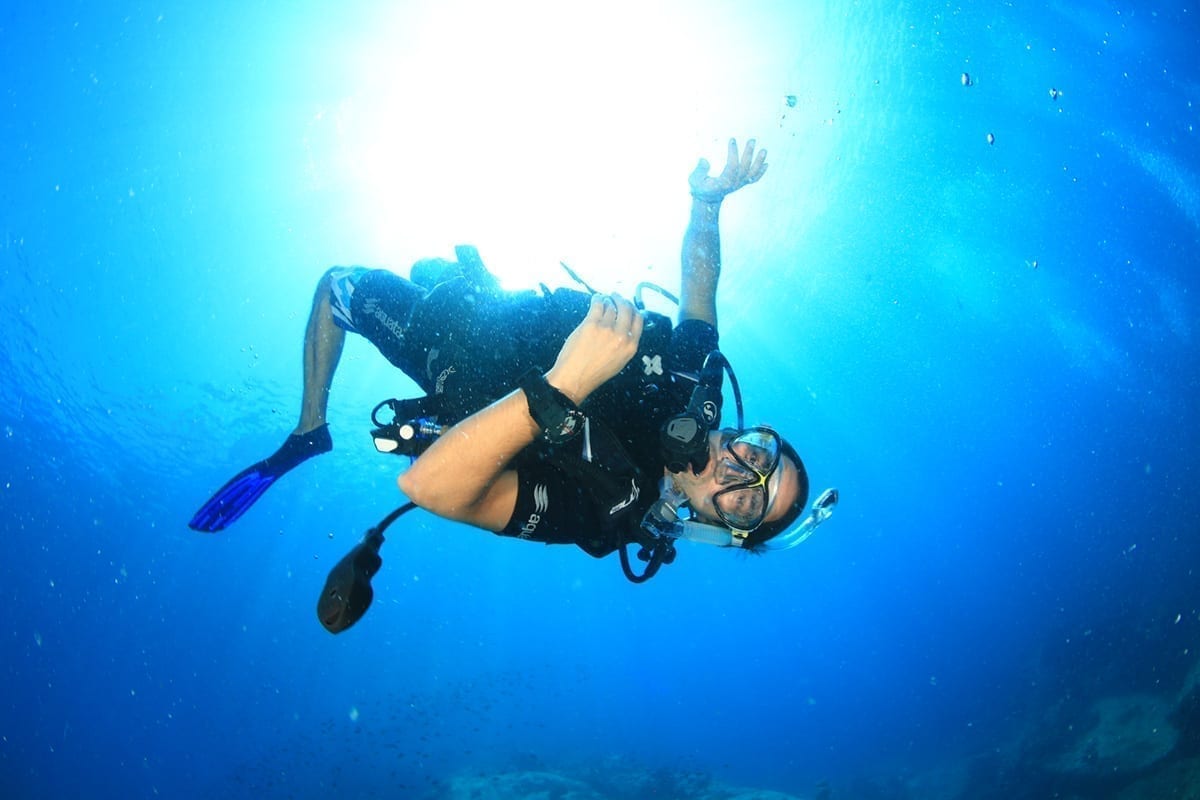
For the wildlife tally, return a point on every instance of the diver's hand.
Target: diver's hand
(737, 173)
(598, 348)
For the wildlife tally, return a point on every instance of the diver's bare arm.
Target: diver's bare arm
(701, 268)
(701, 263)
(464, 475)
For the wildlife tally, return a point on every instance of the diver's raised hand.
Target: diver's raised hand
(738, 171)
(599, 347)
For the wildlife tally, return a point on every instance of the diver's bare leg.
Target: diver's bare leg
(323, 341)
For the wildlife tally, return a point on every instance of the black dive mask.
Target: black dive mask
(684, 437)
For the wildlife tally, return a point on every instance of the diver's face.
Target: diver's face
(723, 471)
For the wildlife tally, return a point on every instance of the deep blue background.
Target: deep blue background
(1015, 445)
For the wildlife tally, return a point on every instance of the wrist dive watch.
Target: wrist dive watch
(558, 417)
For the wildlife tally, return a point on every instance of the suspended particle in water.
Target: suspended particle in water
(991, 139)
(790, 100)
(966, 79)
(1055, 93)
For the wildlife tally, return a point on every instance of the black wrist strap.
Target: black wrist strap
(558, 417)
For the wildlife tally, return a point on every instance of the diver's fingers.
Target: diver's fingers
(759, 168)
(729, 175)
(731, 159)
(614, 304)
(623, 312)
(629, 321)
(747, 157)
(756, 167)
(600, 306)
(636, 325)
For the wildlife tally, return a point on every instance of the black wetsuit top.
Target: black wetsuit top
(467, 348)
(557, 502)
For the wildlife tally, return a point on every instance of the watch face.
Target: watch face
(570, 424)
(567, 428)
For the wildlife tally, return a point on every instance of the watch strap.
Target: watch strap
(558, 417)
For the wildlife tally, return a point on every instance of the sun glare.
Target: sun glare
(543, 131)
(462, 126)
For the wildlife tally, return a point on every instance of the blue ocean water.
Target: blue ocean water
(988, 347)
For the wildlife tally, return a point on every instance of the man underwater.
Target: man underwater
(564, 418)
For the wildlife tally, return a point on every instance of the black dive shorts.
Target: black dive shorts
(455, 341)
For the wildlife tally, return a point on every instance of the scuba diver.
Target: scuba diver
(562, 417)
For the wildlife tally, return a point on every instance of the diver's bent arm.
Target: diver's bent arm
(463, 476)
(701, 263)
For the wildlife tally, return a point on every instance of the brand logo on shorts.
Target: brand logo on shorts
(541, 502)
(371, 309)
(652, 366)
